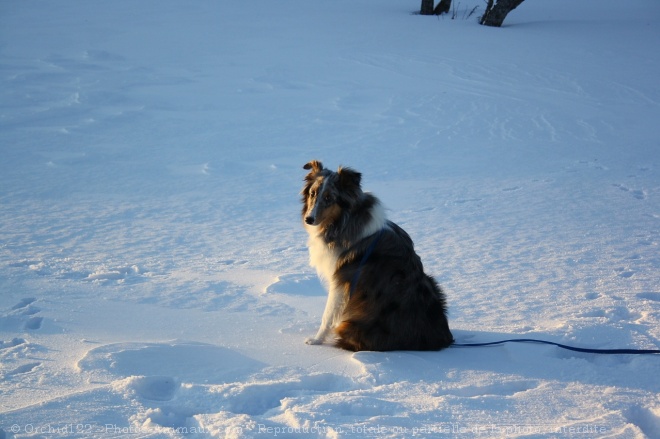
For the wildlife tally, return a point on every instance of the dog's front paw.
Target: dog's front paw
(313, 340)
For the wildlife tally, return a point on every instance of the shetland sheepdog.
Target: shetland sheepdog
(379, 298)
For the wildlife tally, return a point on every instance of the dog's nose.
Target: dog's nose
(309, 220)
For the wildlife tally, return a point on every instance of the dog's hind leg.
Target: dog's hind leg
(333, 308)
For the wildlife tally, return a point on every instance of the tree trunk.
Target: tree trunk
(443, 7)
(495, 15)
(427, 7)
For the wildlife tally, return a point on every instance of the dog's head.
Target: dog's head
(327, 194)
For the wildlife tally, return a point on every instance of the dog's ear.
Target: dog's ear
(349, 178)
(314, 165)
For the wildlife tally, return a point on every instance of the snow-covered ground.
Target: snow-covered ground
(153, 271)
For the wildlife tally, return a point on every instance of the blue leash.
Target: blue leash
(563, 346)
(370, 250)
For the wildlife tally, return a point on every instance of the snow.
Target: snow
(154, 279)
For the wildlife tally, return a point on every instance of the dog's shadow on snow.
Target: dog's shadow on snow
(297, 285)
(528, 361)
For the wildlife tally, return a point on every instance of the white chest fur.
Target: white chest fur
(323, 258)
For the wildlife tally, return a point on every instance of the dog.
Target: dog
(379, 297)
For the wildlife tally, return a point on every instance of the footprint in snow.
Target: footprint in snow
(24, 304)
(646, 418)
(20, 370)
(593, 164)
(639, 194)
(33, 323)
(11, 343)
(624, 272)
(118, 274)
(155, 388)
(12, 351)
(653, 296)
(258, 398)
(22, 316)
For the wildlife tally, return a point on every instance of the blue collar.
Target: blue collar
(370, 250)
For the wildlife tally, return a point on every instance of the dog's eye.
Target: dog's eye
(327, 198)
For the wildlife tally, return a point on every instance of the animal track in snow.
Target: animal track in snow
(33, 323)
(22, 316)
(20, 370)
(498, 389)
(4, 345)
(654, 296)
(624, 272)
(621, 314)
(165, 401)
(590, 164)
(647, 419)
(593, 164)
(119, 274)
(257, 398)
(155, 388)
(639, 194)
(15, 351)
(152, 398)
(25, 305)
(612, 314)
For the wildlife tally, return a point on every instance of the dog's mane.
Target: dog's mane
(359, 209)
(352, 223)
